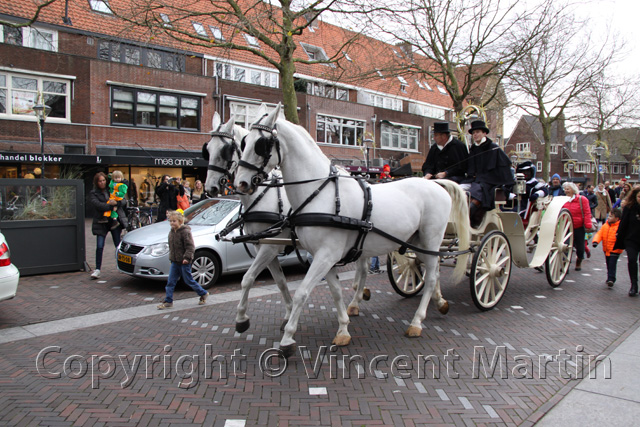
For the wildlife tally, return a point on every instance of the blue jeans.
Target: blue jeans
(100, 240)
(176, 271)
(612, 265)
(375, 263)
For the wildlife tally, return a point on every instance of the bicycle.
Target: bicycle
(138, 217)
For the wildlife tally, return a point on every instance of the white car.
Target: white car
(9, 274)
(144, 252)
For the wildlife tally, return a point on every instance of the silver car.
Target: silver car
(145, 252)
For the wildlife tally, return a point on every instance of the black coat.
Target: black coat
(452, 159)
(629, 228)
(98, 200)
(167, 195)
(489, 167)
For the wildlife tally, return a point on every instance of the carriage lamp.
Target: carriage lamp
(41, 111)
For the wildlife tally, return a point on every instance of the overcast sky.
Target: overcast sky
(622, 17)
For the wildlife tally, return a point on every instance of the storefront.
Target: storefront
(142, 168)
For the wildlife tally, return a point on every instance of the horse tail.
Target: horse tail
(459, 216)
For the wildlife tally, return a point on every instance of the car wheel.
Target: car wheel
(205, 268)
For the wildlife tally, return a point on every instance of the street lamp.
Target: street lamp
(41, 111)
(599, 151)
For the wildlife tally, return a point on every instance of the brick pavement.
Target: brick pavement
(532, 320)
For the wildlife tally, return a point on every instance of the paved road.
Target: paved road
(188, 366)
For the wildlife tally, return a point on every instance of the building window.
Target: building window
(399, 137)
(442, 90)
(253, 42)
(130, 54)
(338, 130)
(19, 93)
(217, 33)
(427, 111)
(522, 147)
(241, 74)
(386, 102)
(200, 30)
(539, 166)
(346, 55)
(380, 74)
(34, 37)
(151, 109)
(247, 113)
(327, 91)
(583, 168)
(635, 169)
(166, 22)
(314, 52)
(101, 6)
(553, 149)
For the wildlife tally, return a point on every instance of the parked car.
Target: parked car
(145, 252)
(9, 274)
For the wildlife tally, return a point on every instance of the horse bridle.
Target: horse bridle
(263, 148)
(226, 153)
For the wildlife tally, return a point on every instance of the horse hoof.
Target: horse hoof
(353, 311)
(341, 340)
(444, 308)
(288, 350)
(242, 326)
(284, 323)
(413, 332)
(366, 294)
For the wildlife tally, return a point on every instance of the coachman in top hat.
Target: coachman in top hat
(447, 158)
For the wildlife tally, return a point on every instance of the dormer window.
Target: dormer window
(420, 85)
(199, 29)
(253, 42)
(217, 33)
(427, 86)
(402, 80)
(314, 52)
(166, 22)
(101, 6)
(346, 55)
(380, 74)
(442, 90)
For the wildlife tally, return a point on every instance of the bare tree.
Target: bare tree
(466, 47)
(562, 66)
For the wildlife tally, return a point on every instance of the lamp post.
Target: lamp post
(41, 111)
(366, 143)
(599, 151)
(570, 169)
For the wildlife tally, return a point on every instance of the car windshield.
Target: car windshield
(209, 212)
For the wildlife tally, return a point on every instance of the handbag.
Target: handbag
(594, 222)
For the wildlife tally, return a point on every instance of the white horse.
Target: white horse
(413, 210)
(223, 152)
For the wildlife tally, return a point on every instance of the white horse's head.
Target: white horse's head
(223, 152)
(260, 152)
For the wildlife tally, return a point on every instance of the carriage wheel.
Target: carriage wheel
(559, 260)
(490, 270)
(405, 273)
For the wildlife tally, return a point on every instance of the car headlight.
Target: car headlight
(159, 249)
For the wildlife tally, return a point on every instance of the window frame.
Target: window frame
(227, 71)
(523, 147)
(341, 125)
(390, 132)
(252, 41)
(40, 78)
(28, 35)
(158, 108)
(100, 6)
(176, 60)
(200, 29)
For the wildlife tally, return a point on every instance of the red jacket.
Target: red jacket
(577, 214)
(607, 235)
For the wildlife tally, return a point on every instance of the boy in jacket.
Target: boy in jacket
(607, 235)
(181, 252)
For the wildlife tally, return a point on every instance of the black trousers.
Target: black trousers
(633, 250)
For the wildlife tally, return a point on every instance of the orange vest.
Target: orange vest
(607, 235)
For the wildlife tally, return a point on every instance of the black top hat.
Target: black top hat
(441, 127)
(478, 124)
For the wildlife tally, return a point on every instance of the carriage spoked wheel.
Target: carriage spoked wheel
(490, 270)
(405, 273)
(559, 260)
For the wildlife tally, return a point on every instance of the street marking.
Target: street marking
(611, 330)
(184, 320)
(263, 341)
(591, 326)
(375, 316)
(390, 319)
(194, 323)
(456, 332)
(420, 388)
(555, 318)
(400, 382)
(490, 341)
(492, 413)
(465, 402)
(529, 352)
(540, 296)
(442, 394)
(574, 322)
(509, 346)
(214, 328)
(235, 423)
(311, 306)
(226, 330)
(473, 337)
(250, 337)
(438, 328)
(149, 299)
(516, 307)
(317, 391)
(540, 315)
(54, 287)
(204, 325)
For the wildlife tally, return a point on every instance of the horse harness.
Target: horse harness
(228, 149)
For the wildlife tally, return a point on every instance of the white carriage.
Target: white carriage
(502, 239)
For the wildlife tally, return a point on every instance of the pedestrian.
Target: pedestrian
(611, 192)
(620, 187)
(607, 235)
(628, 236)
(167, 194)
(447, 158)
(375, 265)
(626, 189)
(489, 168)
(99, 199)
(182, 198)
(198, 193)
(578, 207)
(181, 252)
(592, 198)
(118, 188)
(604, 204)
(555, 187)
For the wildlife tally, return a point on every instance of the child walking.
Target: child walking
(607, 235)
(181, 251)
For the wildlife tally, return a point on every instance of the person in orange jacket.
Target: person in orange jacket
(607, 235)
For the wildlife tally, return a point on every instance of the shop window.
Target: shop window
(154, 109)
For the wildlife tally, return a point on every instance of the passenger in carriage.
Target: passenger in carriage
(489, 168)
(447, 158)
(534, 188)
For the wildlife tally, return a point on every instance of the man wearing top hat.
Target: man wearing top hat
(489, 168)
(447, 158)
